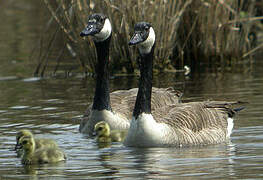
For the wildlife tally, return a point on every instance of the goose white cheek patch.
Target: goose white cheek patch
(104, 33)
(146, 46)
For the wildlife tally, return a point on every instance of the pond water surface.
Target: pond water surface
(52, 107)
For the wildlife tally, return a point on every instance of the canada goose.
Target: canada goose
(31, 155)
(183, 124)
(40, 142)
(105, 134)
(115, 108)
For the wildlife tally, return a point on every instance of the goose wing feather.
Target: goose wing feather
(123, 101)
(196, 115)
(196, 122)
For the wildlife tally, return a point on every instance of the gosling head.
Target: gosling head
(20, 134)
(99, 27)
(102, 129)
(27, 143)
(144, 36)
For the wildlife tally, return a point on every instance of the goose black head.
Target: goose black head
(99, 27)
(144, 36)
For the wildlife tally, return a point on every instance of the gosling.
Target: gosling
(43, 155)
(40, 142)
(105, 135)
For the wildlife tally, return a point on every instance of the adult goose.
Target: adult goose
(114, 108)
(183, 124)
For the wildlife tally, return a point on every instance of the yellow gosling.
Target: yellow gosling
(43, 155)
(105, 135)
(40, 142)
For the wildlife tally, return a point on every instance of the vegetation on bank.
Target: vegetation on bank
(188, 32)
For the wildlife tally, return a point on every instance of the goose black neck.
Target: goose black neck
(101, 99)
(143, 100)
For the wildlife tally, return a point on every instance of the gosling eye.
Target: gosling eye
(24, 142)
(100, 128)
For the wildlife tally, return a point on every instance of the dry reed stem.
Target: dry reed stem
(249, 19)
(253, 50)
(58, 20)
(201, 28)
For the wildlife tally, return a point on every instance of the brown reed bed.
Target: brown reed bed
(188, 32)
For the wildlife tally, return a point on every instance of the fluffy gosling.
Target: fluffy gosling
(105, 135)
(43, 155)
(40, 142)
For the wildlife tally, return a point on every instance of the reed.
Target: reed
(217, 32)
(188, 31)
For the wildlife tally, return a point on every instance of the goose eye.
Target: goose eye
(24, 142)
(101, 20)
(100, 128)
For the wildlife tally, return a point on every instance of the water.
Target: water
(52, 107)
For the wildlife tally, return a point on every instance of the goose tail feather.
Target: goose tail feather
(239, 109)
(226, 106)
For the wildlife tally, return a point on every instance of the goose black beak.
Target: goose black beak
(136, 39)
(89, 30)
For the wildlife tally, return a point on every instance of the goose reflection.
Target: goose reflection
(181, 162)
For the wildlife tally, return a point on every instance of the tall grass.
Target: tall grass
(216, 31)
(195, 30)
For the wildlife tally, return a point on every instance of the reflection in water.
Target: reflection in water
(172, 162)
(52, 108)
(31, 171)
(105, 157)
(104, 145)
(44, 170)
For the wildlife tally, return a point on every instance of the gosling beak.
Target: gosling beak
(89, 30)
(18, 146)
(136, 39)
(94, 133)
